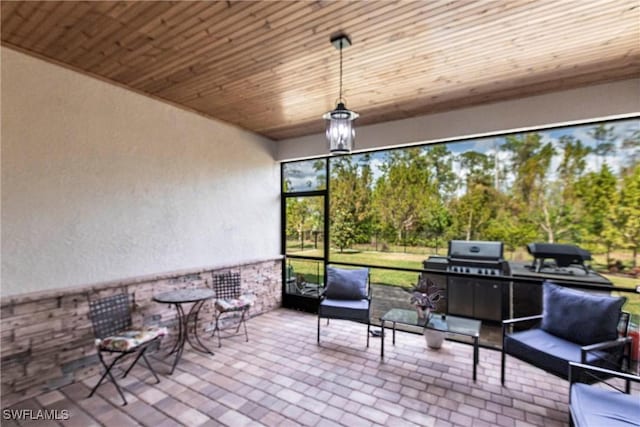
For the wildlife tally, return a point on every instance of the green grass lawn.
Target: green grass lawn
(633, 300)
(387, 277)
(389, 259)
(312, 271)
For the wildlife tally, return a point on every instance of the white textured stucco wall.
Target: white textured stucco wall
(582, 104)
(100, 183)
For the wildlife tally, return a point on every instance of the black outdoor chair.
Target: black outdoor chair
(347, 296)
(575, 327)
(111, 320)
(229, 300)
(597, 406)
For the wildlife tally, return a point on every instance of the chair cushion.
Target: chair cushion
(234, 304)
(578, 316)
(130, 339)
(346, 284)
(596, 407)
(547, 351)
(357, 310)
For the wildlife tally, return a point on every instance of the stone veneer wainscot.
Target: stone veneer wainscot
(47, 339)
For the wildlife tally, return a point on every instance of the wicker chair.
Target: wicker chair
(229, 300)
(111, 319)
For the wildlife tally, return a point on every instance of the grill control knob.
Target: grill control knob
(493, 272)
(467, 270)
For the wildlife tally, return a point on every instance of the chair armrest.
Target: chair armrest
(619, 342)
(575, 368)
(606, 344)
(509, 322)
(521, 319)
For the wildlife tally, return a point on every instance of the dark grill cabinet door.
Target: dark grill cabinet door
(487, 301)
(476, 298)
(460, 297)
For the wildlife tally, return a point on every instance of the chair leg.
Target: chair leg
(108, 372)
(318, 329)
(138, 356)
(368, 333)
(502, 366)
(239, 322)
(242, 322)
(243, 319)
(217, 327)
(144, 357)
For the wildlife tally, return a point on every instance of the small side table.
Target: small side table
(197, 297)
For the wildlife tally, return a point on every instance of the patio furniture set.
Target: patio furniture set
(112, 324)
(580, 336)
(577, 330)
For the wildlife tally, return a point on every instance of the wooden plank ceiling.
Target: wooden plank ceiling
(268, 66)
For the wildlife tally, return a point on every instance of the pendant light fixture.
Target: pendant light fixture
(340, 130)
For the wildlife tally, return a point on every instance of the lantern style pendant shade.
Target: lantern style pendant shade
(340, 132)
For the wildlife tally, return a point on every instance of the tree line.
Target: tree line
(521, 189)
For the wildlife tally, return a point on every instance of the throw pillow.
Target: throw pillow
(580, 317)
(346, 284)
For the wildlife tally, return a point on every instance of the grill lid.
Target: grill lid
(475, 250)
(564, 255)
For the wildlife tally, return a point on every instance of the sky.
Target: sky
(302, 174)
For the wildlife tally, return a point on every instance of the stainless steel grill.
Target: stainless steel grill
(472, 296)
(476, 257)
(471, 269)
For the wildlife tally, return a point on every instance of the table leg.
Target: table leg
(475, 357)
(182, 333)
(394, 334)
(382, 339)
(194, 313)
(176, 345)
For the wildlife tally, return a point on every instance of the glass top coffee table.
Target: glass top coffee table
(449, 324)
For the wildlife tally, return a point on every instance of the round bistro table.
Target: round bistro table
(197, 297)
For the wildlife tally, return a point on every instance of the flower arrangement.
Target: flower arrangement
(425, 295)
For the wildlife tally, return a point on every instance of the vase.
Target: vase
(434, 338)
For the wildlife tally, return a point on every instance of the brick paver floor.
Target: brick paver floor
(281, 377)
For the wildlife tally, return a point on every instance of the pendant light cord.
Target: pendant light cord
(341, 70)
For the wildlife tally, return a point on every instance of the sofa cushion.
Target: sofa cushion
(357, 310)
(346, 284)
(595, 407)
(580, 317)
(547, 351)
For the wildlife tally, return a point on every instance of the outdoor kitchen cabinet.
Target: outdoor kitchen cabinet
(477, 298)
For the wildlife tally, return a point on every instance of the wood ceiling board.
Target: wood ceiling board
(325, 56)
(264, 46)
(268, 66)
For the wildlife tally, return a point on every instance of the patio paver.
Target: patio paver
(282, 377)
